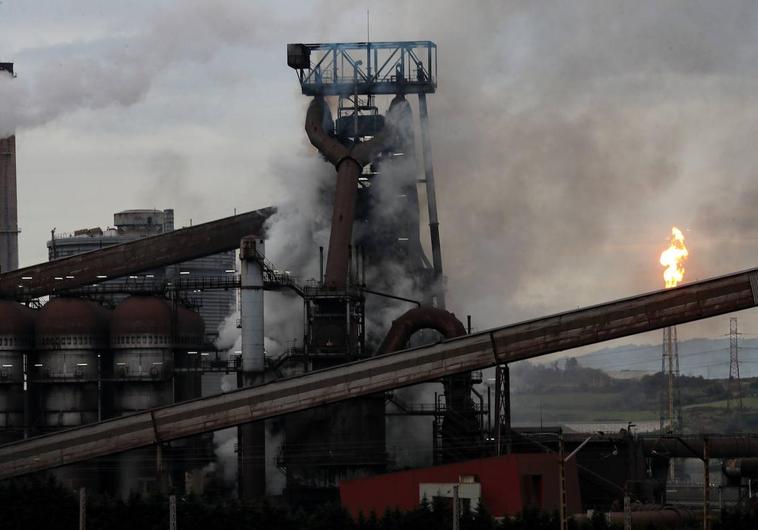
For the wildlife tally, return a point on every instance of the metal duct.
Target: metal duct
(646, 516)
(349, 163)
(417, 319)
(691, 446)
(460, 430)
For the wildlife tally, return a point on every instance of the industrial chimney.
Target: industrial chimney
(8, 201)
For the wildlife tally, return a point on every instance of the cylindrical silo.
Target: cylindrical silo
(71, 338)
(16, 342)
(142, 347)
(141, 344)
(190, 455)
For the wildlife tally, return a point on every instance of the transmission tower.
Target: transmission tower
(734, 388)
(671, 403)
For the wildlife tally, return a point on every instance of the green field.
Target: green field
(575, 407)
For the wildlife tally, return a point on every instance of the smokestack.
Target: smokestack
(8, 200)
(252, 436)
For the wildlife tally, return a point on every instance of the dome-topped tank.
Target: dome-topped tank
(16, 340)
(68, 317)
(140, 315)
(72, 345)
(142, 347)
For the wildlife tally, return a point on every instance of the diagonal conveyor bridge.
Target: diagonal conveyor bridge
(525, 340)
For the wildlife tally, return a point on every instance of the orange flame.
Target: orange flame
(673, 259)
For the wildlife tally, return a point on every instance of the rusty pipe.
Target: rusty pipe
(349, 164)
(691, 446)
(643, 517)
(417, 319)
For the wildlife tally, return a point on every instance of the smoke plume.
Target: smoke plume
(122, 71)
(568, 139)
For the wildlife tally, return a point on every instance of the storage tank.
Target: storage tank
(71, 337)
(16, 341)
(143, 361)
(71, 342)
(142, 347)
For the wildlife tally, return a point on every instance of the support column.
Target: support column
(431, 200)
(562, 480)
(502, 410)
(706, 486)
(252, 436)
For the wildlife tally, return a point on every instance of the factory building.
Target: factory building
(506, 485)
(129, 225)
(115, 342)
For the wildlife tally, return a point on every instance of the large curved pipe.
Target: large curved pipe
(460, 429)
(417, 319)
(349, 164)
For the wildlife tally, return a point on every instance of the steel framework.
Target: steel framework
(533, 338)
(365, 68)
(134, 257)
(735, 383)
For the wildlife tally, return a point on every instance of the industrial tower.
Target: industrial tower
(375, 240)
(671, 403)
(8, 200)
(734, 390)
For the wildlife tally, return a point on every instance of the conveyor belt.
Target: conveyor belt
(525, 340)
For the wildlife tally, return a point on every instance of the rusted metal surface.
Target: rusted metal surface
(647, 516)
(133, 257)
(691, 446)
(417, 319)
(525, 340)
(349, 164)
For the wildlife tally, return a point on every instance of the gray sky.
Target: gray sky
(568, 137)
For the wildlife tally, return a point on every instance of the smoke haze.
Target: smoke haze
(567, 137)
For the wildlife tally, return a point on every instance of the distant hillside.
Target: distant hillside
(707, 358)
(574, 392)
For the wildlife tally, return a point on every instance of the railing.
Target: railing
(369, 68)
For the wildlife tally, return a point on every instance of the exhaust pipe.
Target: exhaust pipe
(349, 163)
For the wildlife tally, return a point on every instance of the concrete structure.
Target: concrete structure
(131, 225)
(252, 436)
(506, 485)
(16, 344)
(8, 199)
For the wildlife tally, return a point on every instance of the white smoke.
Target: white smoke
(122, 71)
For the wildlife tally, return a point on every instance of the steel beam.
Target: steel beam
(525, 340)
(136, 256)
